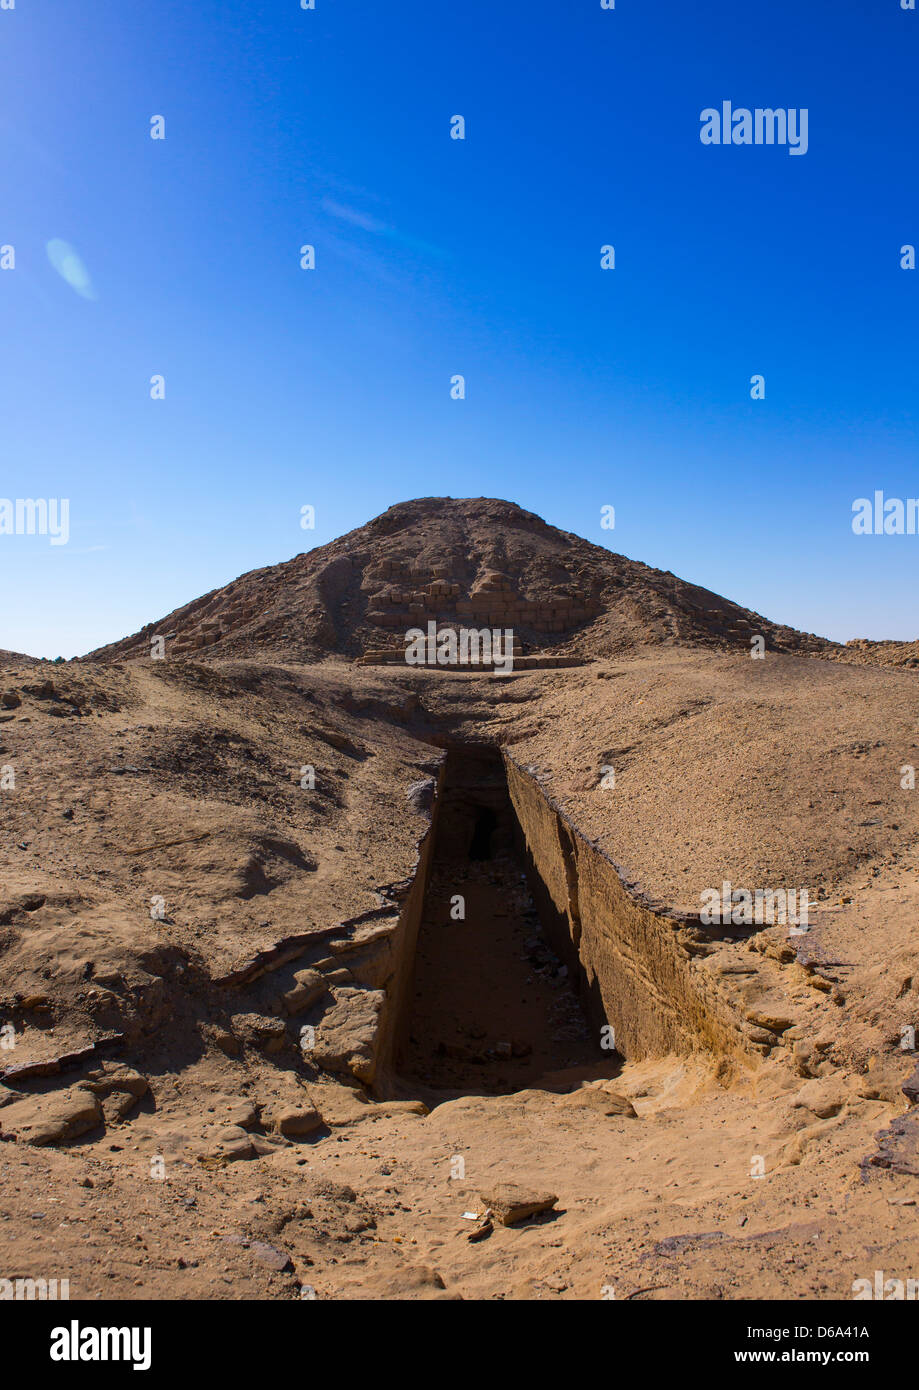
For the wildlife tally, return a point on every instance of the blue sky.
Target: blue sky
(435, 256)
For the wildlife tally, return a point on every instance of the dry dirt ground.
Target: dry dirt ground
(168, 874)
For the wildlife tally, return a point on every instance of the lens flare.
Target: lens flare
(66, 261)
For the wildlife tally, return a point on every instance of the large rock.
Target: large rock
(347, 1036)
(773, 1020)
(243, 1113)
(897, 1147)
(265, 1254)
(307, 989)
(510, 1203)
(604, 1102)
(823, 1098)
(261, 1031)
(292, 1119)
(420, 795)
(118, 1086)
(910, 1086)
(52, 1118)
(234, 1143)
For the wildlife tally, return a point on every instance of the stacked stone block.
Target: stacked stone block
(493, 602)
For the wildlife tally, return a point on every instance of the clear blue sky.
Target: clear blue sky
(331, 387)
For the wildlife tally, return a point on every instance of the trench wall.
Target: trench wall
(634, 965)
(401, 963)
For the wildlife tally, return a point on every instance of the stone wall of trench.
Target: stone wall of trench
(635, 966)
(401, 960)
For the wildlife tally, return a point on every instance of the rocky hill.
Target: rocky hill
(470, 561)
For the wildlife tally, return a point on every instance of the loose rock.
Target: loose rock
(511, 1203)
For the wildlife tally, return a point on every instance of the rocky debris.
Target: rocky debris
(343, 743)
(420, 795)
(347, 1036)
(823, 1098)
(244, 1114)
(370, 961)
(265, 1254)
(64, 1061)
(272, 957)
(293, 1121)
(898, 1146)
(106, 1094)
(343, 1106)
(692, 1240)
(340, 975)
(10, 700)
(510, 1203)
(772, 1022)
(36, 1003)
(234, 1143)
(602, 1101)
(43, 690)
(807, 1062)
(228, 1043)
(261, 1031)
(118, 1087)
(291, 948)
(885, 652)
(911, 1087)
(310, 985)
(402, 1107)
(53, 1118)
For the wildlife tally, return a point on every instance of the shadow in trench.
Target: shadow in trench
(491, 1008)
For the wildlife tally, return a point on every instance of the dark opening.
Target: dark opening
(491, 1008)
(486, 823)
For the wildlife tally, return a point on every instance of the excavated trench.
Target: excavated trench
(525, 956)
(491, 1007)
